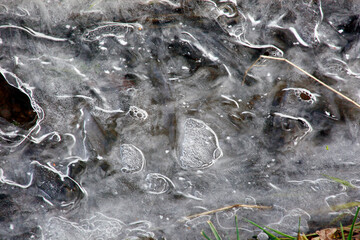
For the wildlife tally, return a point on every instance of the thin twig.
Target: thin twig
(247, 70)
(303, 71)
(227, 208)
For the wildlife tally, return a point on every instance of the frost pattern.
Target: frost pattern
(110, 30)
(98, 226)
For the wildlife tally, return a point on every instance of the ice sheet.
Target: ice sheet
(138, 116)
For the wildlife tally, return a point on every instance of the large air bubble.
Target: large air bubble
(199, 147)
(156, 183)
(131, 159)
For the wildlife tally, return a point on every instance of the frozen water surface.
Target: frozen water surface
(120, 118)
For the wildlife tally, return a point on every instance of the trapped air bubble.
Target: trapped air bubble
(156, 183)
(199, 147)
(131, 159)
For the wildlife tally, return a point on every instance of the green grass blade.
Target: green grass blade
(304, 237)
(353, 224)
(338, 180)
(270, 235)
(213, 229)
(237, 228)
(299, 235)
(93, 4)
(345, 206)
(280, 233)
(205, 236)
(342, 232)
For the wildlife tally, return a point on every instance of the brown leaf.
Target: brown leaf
(356, 236)
(326, 234)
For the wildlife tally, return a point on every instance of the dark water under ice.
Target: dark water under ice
(120, 118)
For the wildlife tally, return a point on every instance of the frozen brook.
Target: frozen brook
(124, 119)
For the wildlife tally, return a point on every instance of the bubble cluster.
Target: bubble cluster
(137, 113)
(304, 95)
(110, 30)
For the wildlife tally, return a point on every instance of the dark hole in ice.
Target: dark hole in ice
(283, 37)
(130, 80)
(15, 106)
(305, 96)
(76, 169)
(352, 25)
(192, 54)
(324, 134)
(105, 166)
(132, 113)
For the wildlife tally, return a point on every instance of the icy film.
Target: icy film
(128, 119)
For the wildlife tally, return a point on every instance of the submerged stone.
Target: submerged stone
(55, 188)
(284, 131)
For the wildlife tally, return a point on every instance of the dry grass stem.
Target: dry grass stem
(227, 208)
(303, 71)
